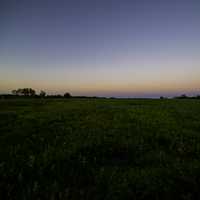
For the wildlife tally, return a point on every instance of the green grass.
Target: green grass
(99, 149)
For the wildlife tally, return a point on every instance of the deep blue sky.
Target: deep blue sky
(124, 48)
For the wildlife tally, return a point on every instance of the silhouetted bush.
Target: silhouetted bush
(67, 95)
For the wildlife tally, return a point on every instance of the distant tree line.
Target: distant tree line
(183, 96)
(29, 92)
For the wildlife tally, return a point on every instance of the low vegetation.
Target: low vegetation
(99, 149)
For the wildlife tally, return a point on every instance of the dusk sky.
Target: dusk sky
(122, 48)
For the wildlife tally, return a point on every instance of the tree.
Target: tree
(14, 92)
(42, 93)
(19, 92)
(28, 92)
(24, 92)
(31, 92)
(183, 96)
(67, 95)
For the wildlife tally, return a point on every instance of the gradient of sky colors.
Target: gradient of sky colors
(123, 48)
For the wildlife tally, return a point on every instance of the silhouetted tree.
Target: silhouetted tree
(24, 92)
(28, 92)
(183, 96)
(14, 92)
(19, 92)
(67, 95)
(42, 93)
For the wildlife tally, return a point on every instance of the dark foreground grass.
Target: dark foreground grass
(99, 149)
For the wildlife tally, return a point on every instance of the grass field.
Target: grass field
(99, 149)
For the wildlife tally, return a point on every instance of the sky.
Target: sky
(120, 48)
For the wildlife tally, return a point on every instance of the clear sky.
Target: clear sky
(122, 48)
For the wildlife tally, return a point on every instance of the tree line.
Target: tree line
(183, 96)
(29, 92)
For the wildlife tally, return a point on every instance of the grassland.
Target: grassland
(99, 149)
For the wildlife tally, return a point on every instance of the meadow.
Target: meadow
(100, 149)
